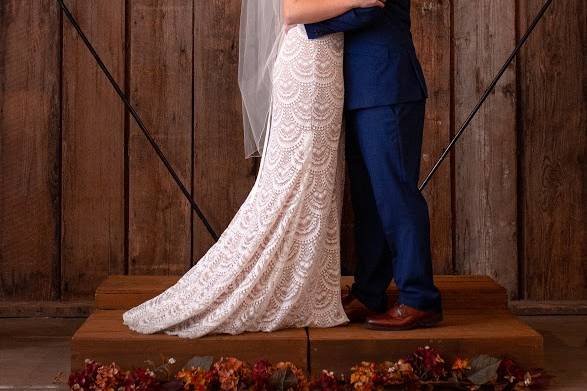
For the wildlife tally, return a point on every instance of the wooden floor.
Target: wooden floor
(476, 321)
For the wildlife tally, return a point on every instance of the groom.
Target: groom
(385, 102)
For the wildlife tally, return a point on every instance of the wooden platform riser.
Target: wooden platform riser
(130, 355)
(458, 292)
(338, 356)
(104, 338)
(526, 351)
(476, 321)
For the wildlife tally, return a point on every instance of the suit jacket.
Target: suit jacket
(381, 66)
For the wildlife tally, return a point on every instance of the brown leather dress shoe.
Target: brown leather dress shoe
(354, 309)
(403, 317)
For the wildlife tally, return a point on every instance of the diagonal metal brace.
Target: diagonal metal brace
(138, 120)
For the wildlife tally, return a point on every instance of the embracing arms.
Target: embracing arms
(322, 11)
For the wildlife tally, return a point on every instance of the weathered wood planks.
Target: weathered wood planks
(30, 78)
(161, 89)
(105, 338)
(467, 334)
(93, 144)
(222, 177)
(485, 157)
(46, 308)
(431, 30)
(61, 234)
(553, 192)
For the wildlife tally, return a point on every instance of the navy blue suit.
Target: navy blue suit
(385, 98)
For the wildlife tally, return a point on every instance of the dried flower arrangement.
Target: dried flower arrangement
(424, 369)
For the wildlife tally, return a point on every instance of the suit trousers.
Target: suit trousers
(392, 225)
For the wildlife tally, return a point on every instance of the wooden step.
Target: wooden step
(103, 337)
(476, 321)
(458, 292)
(464, 333)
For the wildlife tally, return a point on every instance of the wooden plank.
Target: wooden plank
(121, 283)
(485, 157)
(465, 334)
(458, 292)
(29, 149)
(553, 76)
(52, 309)
(222, 177)
(160, 82)
(23, 330)
(549, 307)
(431, 31)
(105, 338)
(93, 150)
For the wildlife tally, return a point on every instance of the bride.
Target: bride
(277, 265)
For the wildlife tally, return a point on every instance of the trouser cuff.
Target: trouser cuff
(377, 303)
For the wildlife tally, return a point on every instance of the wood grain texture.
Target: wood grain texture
(183, 79)
(553, 72)
(548, 307)
(103, 337)
(458, 292)
(47, 309)
(161, 89)
(485, 157)
(431, 30)
(222, 176)
(466, 334)
(29, 149)
(92, 149)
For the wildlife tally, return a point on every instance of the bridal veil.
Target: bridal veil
(261, 32)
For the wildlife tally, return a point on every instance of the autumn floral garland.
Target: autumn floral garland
(425, 369)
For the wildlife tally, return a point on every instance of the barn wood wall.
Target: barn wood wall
(83, 196)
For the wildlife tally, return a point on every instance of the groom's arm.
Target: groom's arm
(351, 20)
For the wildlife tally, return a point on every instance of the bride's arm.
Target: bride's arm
(312, 11)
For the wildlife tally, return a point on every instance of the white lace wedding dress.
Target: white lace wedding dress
(277, 265)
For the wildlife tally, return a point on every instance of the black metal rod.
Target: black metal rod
(488, 91)
(138, 120)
